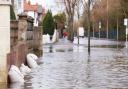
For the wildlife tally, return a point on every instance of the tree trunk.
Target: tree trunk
(89, 26)
(117, 28)
(70, 29)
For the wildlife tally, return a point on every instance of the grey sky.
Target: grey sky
(48, 4)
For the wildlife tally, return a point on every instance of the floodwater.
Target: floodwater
(67, 66)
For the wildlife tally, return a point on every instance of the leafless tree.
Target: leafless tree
(70, 6)
(87, 6)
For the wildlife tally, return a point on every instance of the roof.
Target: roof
(29, 7)
(36, 8)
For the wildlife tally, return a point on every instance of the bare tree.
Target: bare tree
(70, 11)
(87, 5)
(70, 7)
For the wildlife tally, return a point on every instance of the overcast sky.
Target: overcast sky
(48, 4)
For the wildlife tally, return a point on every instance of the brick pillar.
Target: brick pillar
(22, 28)
(38, 50)
(4, 37)
(30, 34)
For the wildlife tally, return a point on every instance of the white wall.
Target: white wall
(34, 15)
(16, 7)
(4, 39)
(20, 6)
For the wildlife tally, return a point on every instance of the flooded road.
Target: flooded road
(67, 66)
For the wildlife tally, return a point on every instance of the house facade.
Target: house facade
(18, 6)
(36, 11)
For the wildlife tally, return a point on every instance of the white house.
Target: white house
(36, 11)
(18, 6)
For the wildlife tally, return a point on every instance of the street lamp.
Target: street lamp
(107, 19)
(89, 23)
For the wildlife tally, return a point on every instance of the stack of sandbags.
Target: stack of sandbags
(17, 75)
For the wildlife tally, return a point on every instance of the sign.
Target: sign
(81, 31)
(99, 24)
(126, 31)
(125, 22)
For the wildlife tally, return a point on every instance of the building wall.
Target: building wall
(4, 38)
(15, 7)
(33, 15)
(20, 6)
(5, 2)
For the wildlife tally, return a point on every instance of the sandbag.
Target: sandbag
(24, 69)
(16, 85)
(33, 56)
(31, 62)
(15, 75)
(13, 67)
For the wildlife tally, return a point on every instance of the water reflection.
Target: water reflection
(88, 70)
(51, 48)
(16, 86)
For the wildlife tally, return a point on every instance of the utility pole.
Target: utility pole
(107, 19)
(89, 2)
(78, 13)
(127, 34)
(117, 29)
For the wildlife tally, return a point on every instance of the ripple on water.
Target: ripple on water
(104, 69)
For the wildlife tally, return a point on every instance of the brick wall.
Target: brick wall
(14, 33)
(24, 39)
(17, 56)
(37, 40)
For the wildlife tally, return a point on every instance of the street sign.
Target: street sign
(99, 24)
(126, 31)
(81, 31)
(125, 22)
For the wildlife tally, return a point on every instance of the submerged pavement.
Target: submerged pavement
(65, 65)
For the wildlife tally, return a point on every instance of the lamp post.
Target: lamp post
(107, 19)
(89, 2)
